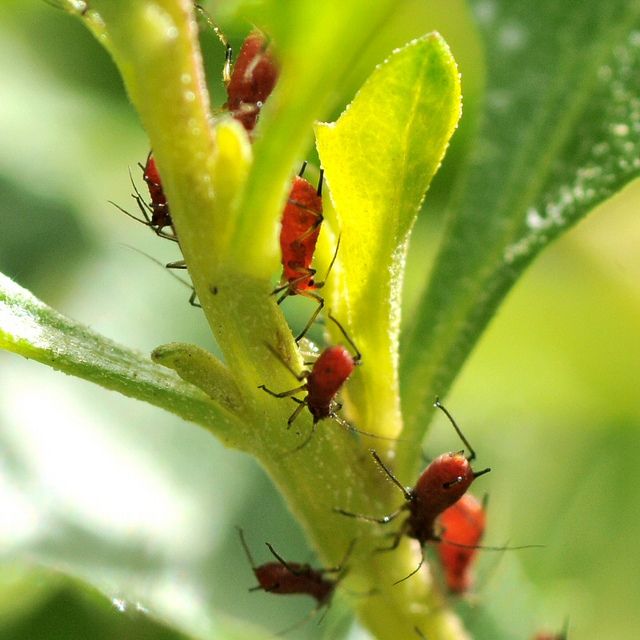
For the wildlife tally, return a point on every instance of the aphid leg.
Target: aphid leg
(290, 287)
(178, 264)
(383, 520)
(314, 315)
(192, 300)
(397, 536)
(349, 427)
(283, 394)
(228, 53)
(312, 614)
(319, 285)
(343, 563)
(413, 573)
(292, 418)
(408, 495)
(307, 440)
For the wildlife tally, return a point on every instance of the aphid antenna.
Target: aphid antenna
(312, 614)
(245, 546)
(358, 356)
(228, 51)
(343, 423)
(472, 453)
(419, 633)
(320, 182)
(160, 264)
(408, 495)
(302, 169)
(144, 209)
(481, 547)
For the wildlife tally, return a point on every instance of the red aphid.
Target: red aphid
(300, 227)
(285, 578)
(441, 484)
(463, 523)
(160, 215)
(323, 381)
(290, 578)
(301, 220)
(252, 80)
(155, 214)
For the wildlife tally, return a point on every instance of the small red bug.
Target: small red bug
(155, 214)
(323, 382)
(463, 523)
(252, 80)
(289, 578)
(441, 484)
(300, 227)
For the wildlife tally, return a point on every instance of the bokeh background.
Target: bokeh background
(145, 506)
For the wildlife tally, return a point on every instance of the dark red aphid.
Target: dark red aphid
(301, 220)
(322, 384)
(290, 578)
(252, 80)
(160, 215)
(463, 523)
(440, 485)
(156, 214)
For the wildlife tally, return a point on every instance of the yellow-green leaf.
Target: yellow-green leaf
(379, 158)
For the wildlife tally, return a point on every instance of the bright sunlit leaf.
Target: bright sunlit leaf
(379, 158)
(31, 329)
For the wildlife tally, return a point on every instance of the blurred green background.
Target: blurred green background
(133, 500)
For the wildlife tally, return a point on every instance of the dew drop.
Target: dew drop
(119, 604)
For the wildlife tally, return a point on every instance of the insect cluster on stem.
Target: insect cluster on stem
(438, 508)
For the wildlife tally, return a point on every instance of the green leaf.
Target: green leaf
(32, 329)
(48, 605)
(379, 158)
(561, 134)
